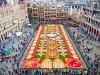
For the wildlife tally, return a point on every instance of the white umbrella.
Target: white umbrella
(29, 25)
(18, 33)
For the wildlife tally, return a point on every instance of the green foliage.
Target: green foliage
(62, 57)
(52, 59)
(43, 56)
(37, 56)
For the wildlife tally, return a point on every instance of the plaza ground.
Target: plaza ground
(15, 41)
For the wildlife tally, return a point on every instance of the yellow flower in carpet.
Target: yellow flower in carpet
(29, 63)
(38, 65)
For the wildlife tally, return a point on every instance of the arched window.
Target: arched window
(97, 33)
(94, 31)
(90, 29)
(2, 38)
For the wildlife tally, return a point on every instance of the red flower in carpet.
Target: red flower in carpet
(32, 63)
(73, 63)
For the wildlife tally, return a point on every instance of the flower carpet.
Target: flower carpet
(52, 48)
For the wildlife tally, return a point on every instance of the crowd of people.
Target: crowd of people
(93, 63)
(55, 72)
(12, 67)
(17, 48)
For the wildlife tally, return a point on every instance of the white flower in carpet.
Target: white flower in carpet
(63, 54)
